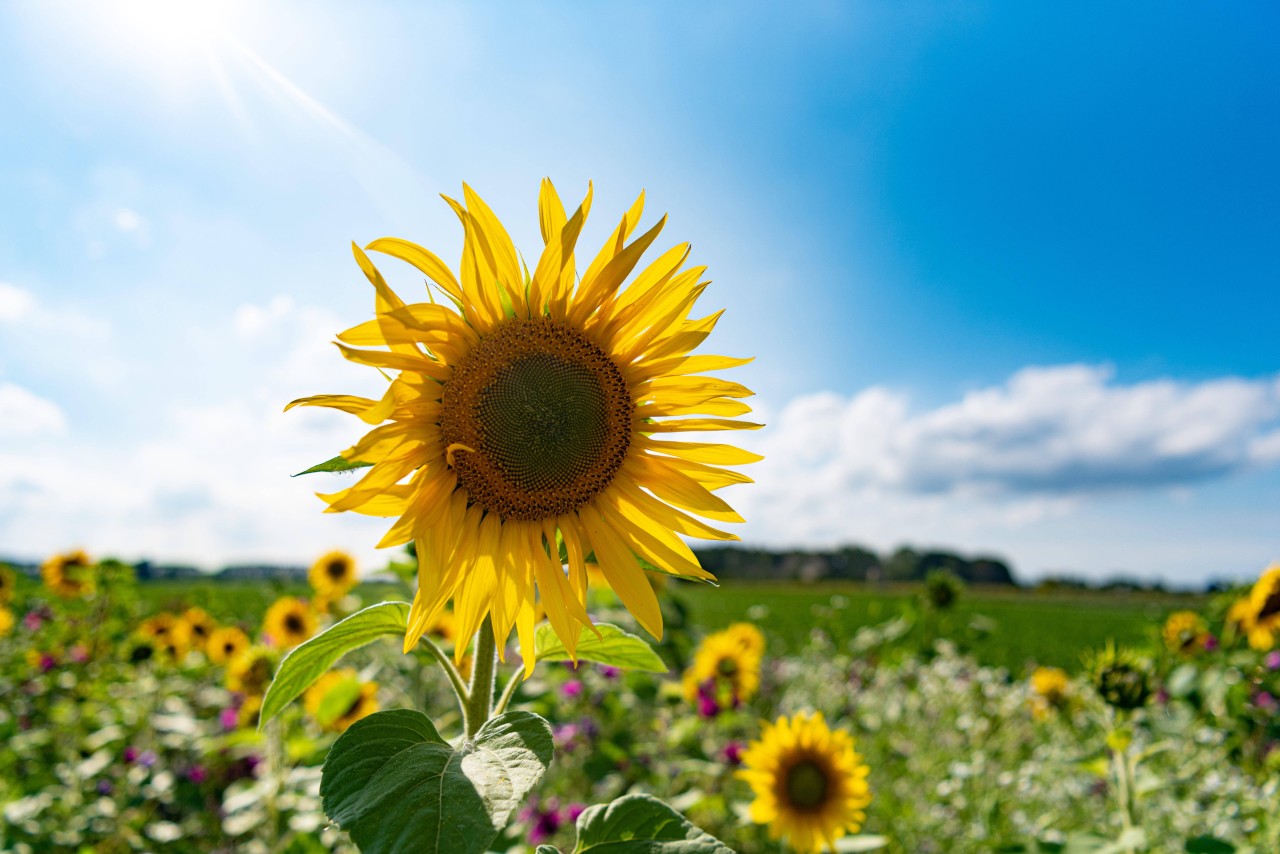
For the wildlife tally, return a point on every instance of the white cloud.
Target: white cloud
(1039, 447)
(23, 413)
(15, 303)
(253, 319)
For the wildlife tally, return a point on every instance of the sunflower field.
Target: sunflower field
(133, 720)
(528, 678)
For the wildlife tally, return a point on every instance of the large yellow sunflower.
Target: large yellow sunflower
(809, 784)
(69, 575)
(531, 409)
(333, 574)
(288, 622)
(1264, 610)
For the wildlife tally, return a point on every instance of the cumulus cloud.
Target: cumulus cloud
(1032, 448)
(203, 482)
(23, 413)
(15, 303)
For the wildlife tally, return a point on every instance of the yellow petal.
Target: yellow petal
(426, 262)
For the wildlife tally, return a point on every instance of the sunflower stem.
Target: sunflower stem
(509, 691)
(455, 678)
(479, 706)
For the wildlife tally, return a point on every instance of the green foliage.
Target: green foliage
(639, 824)
(309, 661)
(941, 589)
(394, 784)
(613, 647)
(336, 464)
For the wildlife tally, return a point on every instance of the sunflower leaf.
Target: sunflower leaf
(338, 463)
(394, 784)
(642, 824)
(613, 647)
(308, 662)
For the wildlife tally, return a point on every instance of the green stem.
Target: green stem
(479, 706)
(455, 678)
(509, 691)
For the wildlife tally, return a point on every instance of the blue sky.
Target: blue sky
(1009, 270)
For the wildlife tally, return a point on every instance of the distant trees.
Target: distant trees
(850, 563)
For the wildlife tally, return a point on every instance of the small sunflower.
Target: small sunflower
(1121, 677)
(6, 621)
(727, 664)
(8, 581)
(250, 672)
(1264, 610)
(1240, 616)
(532, 409)
(809, 784)
(202, 626)
(248, 713)
(1049, 687)
(333, 574)
(338, 699)
(169, 635)
(1184, 632)
(289, 622)
(69, 575)
(748, 636)
(226, 643)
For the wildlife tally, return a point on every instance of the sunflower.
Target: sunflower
(726, 667)
(7, 583)
(248, 713)
(250, 672)
(809, 784)
(537, 415)
(338, 699)
(6, 621)
(333, 574)
(1264, 610)
(1184, 632)
(748, 637)
(69, 575)
(168, 634)
(202, 626)
(288, 622)
(1049, 687)
(226, 643)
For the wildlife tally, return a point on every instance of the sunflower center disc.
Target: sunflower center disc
(806, 785)
(1270, 606)
(337, 569)
(546, 414)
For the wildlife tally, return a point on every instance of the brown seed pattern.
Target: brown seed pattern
(547, 415)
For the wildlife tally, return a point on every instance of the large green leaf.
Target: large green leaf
(395, 785)
(642, 824)
(338, 463)
(614, 647)
(309, 661)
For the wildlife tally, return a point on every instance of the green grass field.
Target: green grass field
(1001, 627)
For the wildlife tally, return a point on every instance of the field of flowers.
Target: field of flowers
(131, 717)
